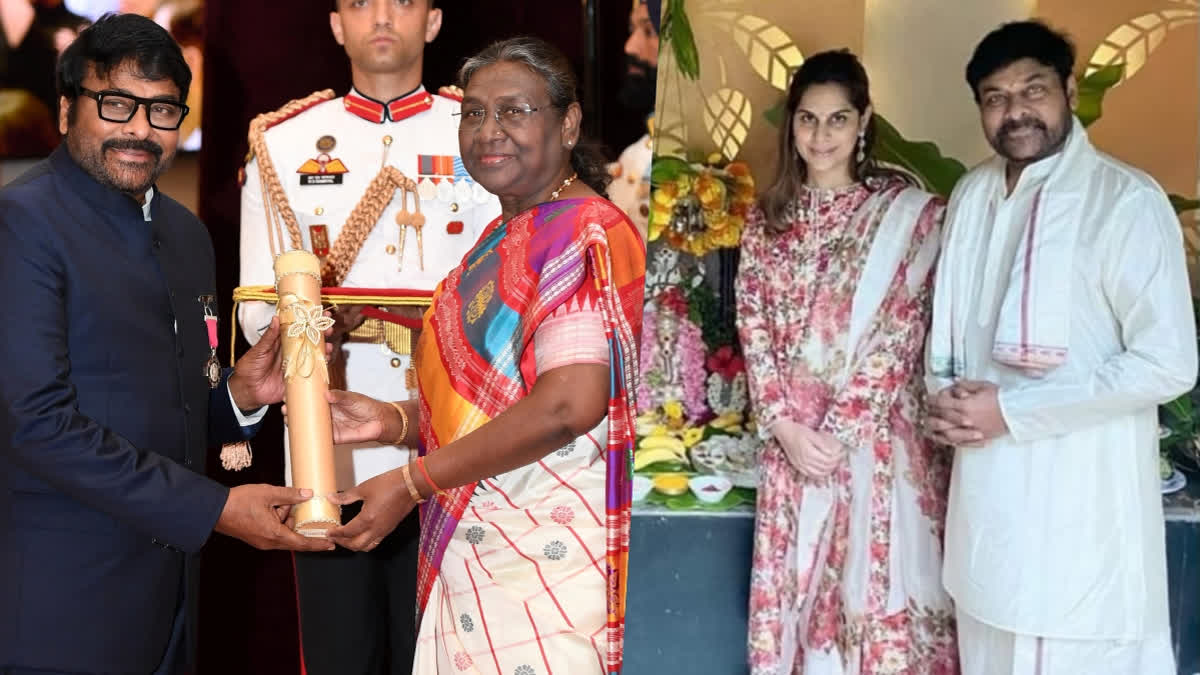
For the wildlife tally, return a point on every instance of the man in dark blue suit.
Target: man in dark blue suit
(111, 392)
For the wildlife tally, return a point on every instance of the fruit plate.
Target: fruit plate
(732, 457)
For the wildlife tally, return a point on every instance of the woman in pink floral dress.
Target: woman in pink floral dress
(833, 297)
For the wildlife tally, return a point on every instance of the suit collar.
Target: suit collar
(97, 194)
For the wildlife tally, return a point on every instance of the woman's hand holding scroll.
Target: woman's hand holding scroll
(386, 501)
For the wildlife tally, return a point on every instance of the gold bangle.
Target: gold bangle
(403, 424)
(408, 481)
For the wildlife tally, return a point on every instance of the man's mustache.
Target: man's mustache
(133, 144)
(1016, 125)
(634, 65)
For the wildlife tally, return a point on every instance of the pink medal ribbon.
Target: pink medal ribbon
(212, 367)
(212, 330)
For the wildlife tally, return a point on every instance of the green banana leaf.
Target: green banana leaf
(774, 114)
(1182, 409)
(665, 169)
(677, 30)
(663, 467)
(1183, 204)
(1092, 89)
(922, 159)
(688, 501)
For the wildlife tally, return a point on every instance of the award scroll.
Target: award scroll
(302, 322)
(396, 333)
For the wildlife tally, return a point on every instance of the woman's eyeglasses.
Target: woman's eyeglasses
(507, 116)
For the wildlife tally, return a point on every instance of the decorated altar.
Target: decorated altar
(723, 69)
(697, 445)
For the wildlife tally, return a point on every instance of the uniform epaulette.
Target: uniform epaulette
(452, 92)
(289, 110)
(297, 106)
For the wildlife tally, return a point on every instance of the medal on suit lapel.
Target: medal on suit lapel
(212, 367)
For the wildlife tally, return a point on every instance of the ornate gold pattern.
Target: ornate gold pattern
(377, 331)
(480, 302)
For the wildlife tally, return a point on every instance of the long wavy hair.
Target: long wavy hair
(545, 60)
(842, 68)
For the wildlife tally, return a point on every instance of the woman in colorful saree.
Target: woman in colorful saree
(833, 294)
(526, 364)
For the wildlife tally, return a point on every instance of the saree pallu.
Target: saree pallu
(526, 572)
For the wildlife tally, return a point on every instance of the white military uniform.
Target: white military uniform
(630, 188)
(418, 135)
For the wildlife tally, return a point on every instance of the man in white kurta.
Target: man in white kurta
(357, 609)
(1062, 319)
(630, 187)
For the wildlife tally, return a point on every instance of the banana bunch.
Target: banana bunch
(649, 424)
(729, 422)
(660, 447)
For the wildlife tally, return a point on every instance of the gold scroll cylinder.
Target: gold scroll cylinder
(310, 425)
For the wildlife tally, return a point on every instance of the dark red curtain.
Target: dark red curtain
(258, 56)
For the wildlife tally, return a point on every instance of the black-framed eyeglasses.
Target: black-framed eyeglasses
(117, 106)
(508, 116)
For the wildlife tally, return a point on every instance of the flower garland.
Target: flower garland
(699, 208)
(672, 357)
(728, 394)
(727, 397)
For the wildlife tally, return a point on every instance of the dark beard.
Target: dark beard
(638, 88)
(95, 165)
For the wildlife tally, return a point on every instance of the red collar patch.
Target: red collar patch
(396, 110)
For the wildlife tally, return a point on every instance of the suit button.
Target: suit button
(157, 243)
(187, 408)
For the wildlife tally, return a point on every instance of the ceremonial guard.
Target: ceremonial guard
(373, 185)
